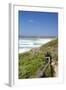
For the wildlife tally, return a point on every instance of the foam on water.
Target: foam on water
(27, 44)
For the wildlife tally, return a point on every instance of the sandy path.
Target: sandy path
(55, 69)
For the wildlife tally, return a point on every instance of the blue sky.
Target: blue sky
(33, 23)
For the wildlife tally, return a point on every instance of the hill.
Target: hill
(34, 60)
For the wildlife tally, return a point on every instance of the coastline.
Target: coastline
(27, 45)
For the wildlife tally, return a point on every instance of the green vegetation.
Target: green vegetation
(34, 60)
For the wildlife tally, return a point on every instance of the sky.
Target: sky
(33, 23)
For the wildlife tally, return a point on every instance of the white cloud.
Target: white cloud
(30, 20)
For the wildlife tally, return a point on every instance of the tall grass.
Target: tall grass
(32, 61)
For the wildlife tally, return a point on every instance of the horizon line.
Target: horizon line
(38, 36)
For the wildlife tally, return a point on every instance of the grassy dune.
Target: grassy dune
(34, 60)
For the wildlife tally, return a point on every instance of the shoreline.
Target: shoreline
(36, 44)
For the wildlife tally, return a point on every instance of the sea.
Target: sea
(26, 44)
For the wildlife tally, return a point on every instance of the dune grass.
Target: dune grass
(30, 62)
